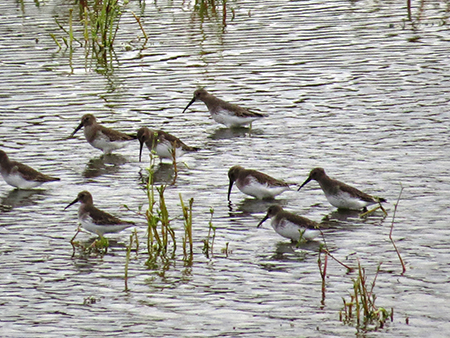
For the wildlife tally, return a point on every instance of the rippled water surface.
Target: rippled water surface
(354, 87)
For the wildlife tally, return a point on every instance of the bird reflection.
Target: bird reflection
(342, 215)
(105, 164)
(253, 205)
(287, 251)
(228, 133)
(164, 174)
(20, 198)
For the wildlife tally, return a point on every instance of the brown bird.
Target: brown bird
(255, 183)
(20, 175)
(224, 112)
(95, 220)
(164, 144)
(100, 137)
(339, 194)
(290, 225)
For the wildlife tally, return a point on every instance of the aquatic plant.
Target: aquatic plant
(392, 229)
(361, 310)
(99, 246)
(323, 271)
(133, 239)
(99, 22)
(187, 215)
(208, 242)
(157, 241)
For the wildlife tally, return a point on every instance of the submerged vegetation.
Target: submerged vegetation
(361, 310)
(95, 28)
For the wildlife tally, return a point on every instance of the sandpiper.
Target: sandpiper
(340, 194)
(164, 144)
(224, 112)
(95, 220)
(290, 225)
(255, 183)
(20, 175)
(100, 137)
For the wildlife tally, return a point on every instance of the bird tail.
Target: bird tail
(379, 199)
(188, 148)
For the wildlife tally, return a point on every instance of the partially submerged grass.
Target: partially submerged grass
(97, 29)
(361, 310)
(157, 240)
(133, 240)
(187, 216)
(208, 242)
(392, 230)
(98, 247)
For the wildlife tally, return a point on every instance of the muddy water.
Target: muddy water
(353, 87)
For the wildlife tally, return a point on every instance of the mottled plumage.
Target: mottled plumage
(255, 183)
(100, 137)
(224, 112)
(95, 220)
(290, 225)
(340, 194)
(20, 175)
(162, 143)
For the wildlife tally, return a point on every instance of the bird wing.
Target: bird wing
(240, 111)
(103, 218)
(114, 135)
(264, 178)
(31, 174)
(305, 222)
(353, 191)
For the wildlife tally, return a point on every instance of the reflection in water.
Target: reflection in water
(342, 218)
(288, 252)
(20, 198)
(105, 164)
(342, 215)
(228, 133)
(164, 174)
(253, 205)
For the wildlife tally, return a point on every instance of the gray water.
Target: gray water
(353, 87)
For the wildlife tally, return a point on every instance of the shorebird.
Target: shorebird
(255, 183)
(95, 220)
(224, 112)
(341, 195)
(164, 144)
(20, 175)
(290, 225)
(100, 137)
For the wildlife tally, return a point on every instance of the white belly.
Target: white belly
(103, 143)
(260, 191)
(100, 230)
(230, 120)
(346, 201)
(16, 180)
(293, 231)
(165, 150)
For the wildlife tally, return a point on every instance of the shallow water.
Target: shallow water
(353, 87)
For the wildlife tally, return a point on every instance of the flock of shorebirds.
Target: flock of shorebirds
(165, 145)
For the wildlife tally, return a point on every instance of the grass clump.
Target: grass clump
(208, 242)
(361, 310)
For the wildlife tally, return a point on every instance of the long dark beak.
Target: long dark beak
(76, 129)
(140, 150)
(304, 183)
(192, 101)
(72, 203)
(229, 189)
(263, 220)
